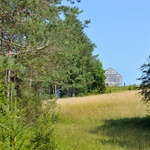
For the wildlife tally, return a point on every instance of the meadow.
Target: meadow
(113, 121)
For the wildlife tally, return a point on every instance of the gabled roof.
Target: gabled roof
(112, 71)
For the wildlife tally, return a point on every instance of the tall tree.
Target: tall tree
(145, 78)
(78, 54)
(28, 35)
(26, 45)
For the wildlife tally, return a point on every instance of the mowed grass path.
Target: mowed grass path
(116, 121)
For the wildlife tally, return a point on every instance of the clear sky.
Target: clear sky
(121, 31)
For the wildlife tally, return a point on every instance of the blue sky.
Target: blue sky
(121, 31)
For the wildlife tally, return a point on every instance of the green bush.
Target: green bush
(133, 87)
(111, 89)
(26, 123)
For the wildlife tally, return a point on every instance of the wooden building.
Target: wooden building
(113, 78)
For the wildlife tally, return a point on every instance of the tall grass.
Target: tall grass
(116, 121)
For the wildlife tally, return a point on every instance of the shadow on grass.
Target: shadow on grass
(127, 133)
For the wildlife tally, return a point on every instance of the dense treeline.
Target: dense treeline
(48, 49)
(44, 51)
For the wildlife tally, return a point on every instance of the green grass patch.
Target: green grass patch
(111, 89)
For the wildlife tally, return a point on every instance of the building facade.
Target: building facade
(113, 78)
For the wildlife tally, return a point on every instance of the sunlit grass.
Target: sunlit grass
(110, 121)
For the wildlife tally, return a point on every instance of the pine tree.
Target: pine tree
(145, 78)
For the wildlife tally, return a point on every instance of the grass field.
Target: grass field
(116, 121)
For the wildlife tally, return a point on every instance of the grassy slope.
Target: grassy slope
(115, 121)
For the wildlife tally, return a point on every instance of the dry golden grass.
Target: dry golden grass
(104, 121)
(103, 98)
(123, 104)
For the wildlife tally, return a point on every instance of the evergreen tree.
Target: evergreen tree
(40, 53)
(25, 35)
(145, 78)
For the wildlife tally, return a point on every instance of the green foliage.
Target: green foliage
(12, 133)
(43, 127)
(145, 78)
(84, 71)
(39, 40)
(110, 89)
(41, 54)
(133, 87)
(21, 124)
